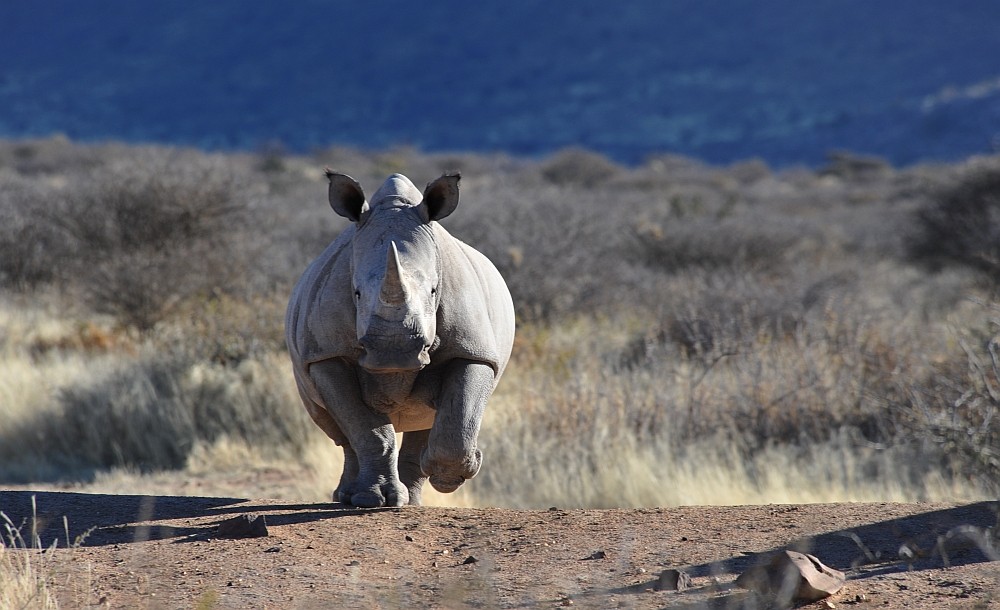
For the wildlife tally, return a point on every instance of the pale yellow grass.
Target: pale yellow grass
(23, 583)
(25, 573)
(556, 432)
(630, 473)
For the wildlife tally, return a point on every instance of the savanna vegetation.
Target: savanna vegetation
(687, 333)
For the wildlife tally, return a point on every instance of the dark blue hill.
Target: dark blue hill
(786, 81)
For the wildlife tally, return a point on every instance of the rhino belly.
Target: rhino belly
(412, 417)
(402, 397)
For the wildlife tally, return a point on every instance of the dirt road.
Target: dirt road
(164, 552)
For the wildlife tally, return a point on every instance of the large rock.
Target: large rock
(792, 577)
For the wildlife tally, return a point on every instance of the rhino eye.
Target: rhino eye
(433, 291)
(357, 294)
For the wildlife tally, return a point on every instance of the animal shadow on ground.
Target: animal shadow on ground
(103, 519)
(932, 540)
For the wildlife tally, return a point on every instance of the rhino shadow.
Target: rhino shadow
(105, 519)
(904, 543)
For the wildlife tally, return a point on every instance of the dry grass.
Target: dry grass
(687, 334)
(25, 570)
(685, 432)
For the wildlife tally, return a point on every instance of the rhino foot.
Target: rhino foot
(447, 473)
(392, 493)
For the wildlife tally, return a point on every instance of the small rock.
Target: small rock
(273, 549)
(408, 538)
(595, 555)
(673, 580)
(468, 560)
(243, 526)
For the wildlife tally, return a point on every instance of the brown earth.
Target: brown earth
(164, 552)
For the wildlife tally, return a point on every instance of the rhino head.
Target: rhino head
(395, 267)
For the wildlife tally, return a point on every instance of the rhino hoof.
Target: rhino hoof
(447, 475)
(446, 485)
(387, 495)
(367, 499)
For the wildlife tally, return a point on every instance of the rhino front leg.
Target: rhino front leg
(347, 477)
(452, 454)
(410, 473)
(323, 419)
(370, 437)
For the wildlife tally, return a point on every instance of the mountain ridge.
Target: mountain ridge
(782, 81)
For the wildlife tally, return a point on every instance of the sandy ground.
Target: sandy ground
(149, 551)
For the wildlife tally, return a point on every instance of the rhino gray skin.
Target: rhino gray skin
(399, 327)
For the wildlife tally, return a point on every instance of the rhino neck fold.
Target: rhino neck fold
(387, 392)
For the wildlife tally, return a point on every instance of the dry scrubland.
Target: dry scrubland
(687, 334)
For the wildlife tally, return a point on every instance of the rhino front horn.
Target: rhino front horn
(393, 291)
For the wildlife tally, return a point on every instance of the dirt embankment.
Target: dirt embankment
(164, 552)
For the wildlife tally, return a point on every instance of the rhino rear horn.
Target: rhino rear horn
(347, 198)
(441, 196)
(393, 290)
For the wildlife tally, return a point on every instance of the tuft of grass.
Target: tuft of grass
(24, 569)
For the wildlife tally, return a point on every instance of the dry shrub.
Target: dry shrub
(229, 330)
(579, 167)
(962, 225)
(147, 236)
(957, 407)
(29, 246)
(856, 168)
(39, 157)
(732, 243)
(792, 419)
(557, 252)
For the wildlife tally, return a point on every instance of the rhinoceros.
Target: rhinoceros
(399, 327)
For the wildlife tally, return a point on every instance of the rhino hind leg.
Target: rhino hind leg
(410, 473)
(452, 455)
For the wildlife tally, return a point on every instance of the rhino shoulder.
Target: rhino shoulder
(319, 322)
(476, 316)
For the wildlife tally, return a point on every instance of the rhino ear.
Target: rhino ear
(347, 198)
(441, 196)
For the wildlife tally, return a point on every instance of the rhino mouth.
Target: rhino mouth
(394, 354)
